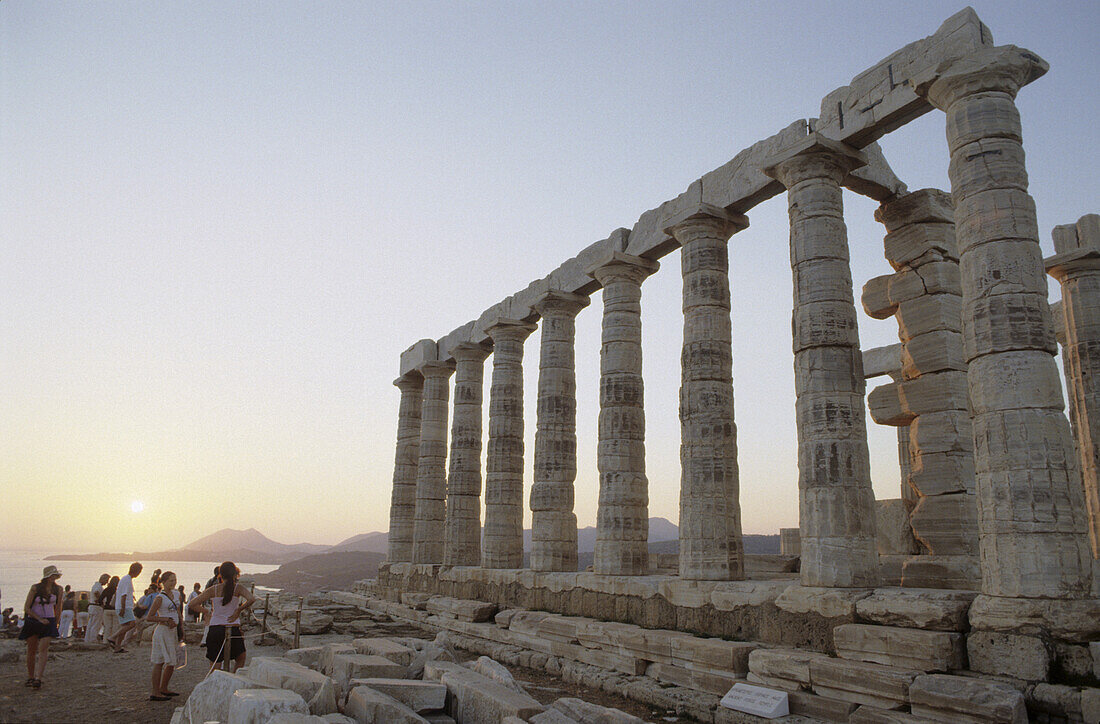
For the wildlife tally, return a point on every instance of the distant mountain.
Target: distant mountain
(376, 542)
(335, 570)
(252, 540)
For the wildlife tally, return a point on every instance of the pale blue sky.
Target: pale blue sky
(222, 222)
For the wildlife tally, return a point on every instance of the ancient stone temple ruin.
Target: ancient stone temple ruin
(969, 598)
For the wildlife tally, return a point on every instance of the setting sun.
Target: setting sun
(137, 506)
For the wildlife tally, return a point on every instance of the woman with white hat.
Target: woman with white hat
(41, 611)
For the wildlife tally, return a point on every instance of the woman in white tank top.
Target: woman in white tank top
(224, 641)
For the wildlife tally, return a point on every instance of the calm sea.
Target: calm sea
(19, 570)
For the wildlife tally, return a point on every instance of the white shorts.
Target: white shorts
(165, 645)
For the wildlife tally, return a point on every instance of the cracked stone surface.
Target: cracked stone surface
(462, 537)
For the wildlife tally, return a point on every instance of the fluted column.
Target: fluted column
(553, 523)
(711, 547)
(403, 495)
(1031, 510)
(431, 473)
(502, 546)
(462, 539)
(1076, 266)
(836, 503)
(622, 519)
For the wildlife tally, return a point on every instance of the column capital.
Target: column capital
(1071, 263)
(1003, 69)
(705, 220)
(435, 369)
(411, 380)
(471, 352)
(558, 301)
(814, 157)
(505, 330)
(619, 265)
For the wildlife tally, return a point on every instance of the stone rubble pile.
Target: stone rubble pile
(377, 681)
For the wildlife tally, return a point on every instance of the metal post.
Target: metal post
(297, 625)
(267, 607)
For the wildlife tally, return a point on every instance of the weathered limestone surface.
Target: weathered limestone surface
(392, 650)
(209, 700)
(1031, 510)
(943, 698)
(257, 706)
(403, 497)
(318, 690)
(790, 543)
(622, 519)
(928, 609)
(462, 532)
(711, 547)
(783, 668)
(347, 667)
(1021, 657)
(930, 398)
(503, 538)
(365, 704)
(836, 503)
(553, 523)
(463, 610)
(474, 697)
(431, 471)
(583, 711)
(420, 696)
(1076, 266)
(886, 687)
(904, 647)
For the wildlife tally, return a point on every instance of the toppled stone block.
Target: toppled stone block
(434, 670)
(930, 609)
(504, 618)
(786, 665)
(392, 650)
(495, 671)
(318, 690)
(289, 718)
(583, 711)
(257, 706)
(346, 667)
(309, 656)
(886, 687)
(420, 696)
(329, 652)
(1021, 657)
(416, 601)
(944, 698)
(312, 621)
(461, 609)
(476, 698)
(904, 647)
(209, 700)
(368, 706)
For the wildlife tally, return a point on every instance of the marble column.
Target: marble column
(502, 545)
(403, 495)
(1076, 266)
(431, 472)
(1031, 511)
(553, 523)
(836, 503)
(462, 539)
(711, 547)
(622, 518)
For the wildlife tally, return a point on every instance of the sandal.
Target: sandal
(119, 651)
(36, 684)
(155, 697)
(169, 693)
(28, 682)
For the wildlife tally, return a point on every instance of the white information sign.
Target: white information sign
(757, 700)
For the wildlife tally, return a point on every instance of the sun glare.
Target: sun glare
(137, 506)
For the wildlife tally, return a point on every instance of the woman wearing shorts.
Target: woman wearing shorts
(166, 612)
(41, 612)
(224, 641)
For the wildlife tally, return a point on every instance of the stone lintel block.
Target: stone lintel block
(1071, 620)
(395, 652)
(878, 100)
(945, 698)
(903, 647)
(917, 207)
(423, 351)
(420, 696)
(739, 184)
(803, 703)
(958, 572)
(649, 238)
(571, 278)
(1021, 657)
(731, 223)
(460, 335)
(879, 361)
(1003, 67)
(256, 706)
(461, 609)
(825, 602)
(1060, 266)
(368, 705)
(876, 180)
(892, 532)
(610, 258)
(862, 683)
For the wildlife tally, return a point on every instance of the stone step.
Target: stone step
(963, 700)
(461, 609)
(920, 608)
(903, 647)
(886, 687)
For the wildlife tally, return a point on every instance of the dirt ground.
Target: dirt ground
(96, 685)
(91, 684)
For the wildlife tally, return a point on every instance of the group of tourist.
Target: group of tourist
(51, 612)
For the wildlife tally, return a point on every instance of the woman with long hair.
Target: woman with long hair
(107, 602)
(41, 612)
(166, 612)
(224, 641)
